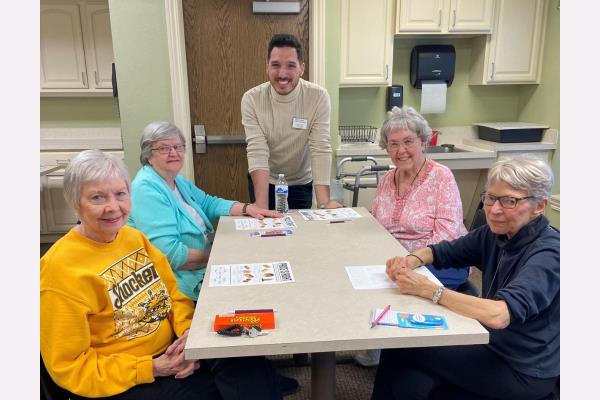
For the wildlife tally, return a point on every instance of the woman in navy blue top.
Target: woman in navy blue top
(519, 256)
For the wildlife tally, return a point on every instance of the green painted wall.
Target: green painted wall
(142, 65)
(465, 104)
(78, 112)
(541, 103)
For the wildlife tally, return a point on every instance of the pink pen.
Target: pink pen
(378, 318)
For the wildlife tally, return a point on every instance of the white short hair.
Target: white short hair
(91, 166)
(525, 172)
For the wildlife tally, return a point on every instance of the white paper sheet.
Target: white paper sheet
(433, 97)
(329, 214)
(374, 277)
(244, 224)
(267, 273)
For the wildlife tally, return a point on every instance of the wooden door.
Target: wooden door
(226, 49)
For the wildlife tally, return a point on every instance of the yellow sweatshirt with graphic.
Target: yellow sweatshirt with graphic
(105, 310)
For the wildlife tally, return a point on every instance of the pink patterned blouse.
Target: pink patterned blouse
(429, 212)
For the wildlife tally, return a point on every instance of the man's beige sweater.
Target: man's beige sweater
(275, 145)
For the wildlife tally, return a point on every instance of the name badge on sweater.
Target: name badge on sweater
(299, 123)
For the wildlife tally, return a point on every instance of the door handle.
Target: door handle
(201, 139)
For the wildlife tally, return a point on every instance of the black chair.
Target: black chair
(48, 389)
(478, 218)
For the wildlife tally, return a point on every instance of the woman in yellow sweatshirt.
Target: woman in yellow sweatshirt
(113, 322)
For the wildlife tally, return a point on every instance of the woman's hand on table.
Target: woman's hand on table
(393, 264)
(260, 213)
(332, 204)
(411, 282)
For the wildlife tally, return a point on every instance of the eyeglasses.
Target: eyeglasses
(180, 148)
(505, 201)
(407, 143)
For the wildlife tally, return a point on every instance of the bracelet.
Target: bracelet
(438, 294)
(418, 258)
(244, 209)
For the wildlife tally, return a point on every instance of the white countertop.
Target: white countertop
(463, 137)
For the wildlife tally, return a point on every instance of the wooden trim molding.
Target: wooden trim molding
(555, 202)
(317, 42)
(179, 81)
(178, 68)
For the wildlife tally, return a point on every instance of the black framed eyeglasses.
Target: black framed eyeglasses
(179, 148)
(505, 201)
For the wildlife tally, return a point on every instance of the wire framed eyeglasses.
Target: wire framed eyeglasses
(179, 148)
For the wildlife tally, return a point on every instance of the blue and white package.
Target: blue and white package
(421, 321)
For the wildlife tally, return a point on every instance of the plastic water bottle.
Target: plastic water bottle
(281, 194)
(337, 190)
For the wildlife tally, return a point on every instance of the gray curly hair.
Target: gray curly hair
(525, 172)
(153, 132)
(405, 118)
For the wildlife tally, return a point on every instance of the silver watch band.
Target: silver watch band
(437, 294)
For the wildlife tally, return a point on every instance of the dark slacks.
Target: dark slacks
(456, 372)
(239, 378)
(299, 196)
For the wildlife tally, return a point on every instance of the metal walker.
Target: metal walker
(369, 170)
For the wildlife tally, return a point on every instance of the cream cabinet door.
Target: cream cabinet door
(98, 44)
(59, 216)
(517, 43)
(471, 16)
(514, 51)
(62, 59)
(421, 16)
(367, 42)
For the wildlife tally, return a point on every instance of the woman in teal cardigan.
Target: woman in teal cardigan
(173, 212)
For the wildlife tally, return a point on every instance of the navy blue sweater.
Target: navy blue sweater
(525, 272)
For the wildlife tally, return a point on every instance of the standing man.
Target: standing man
(286, 121)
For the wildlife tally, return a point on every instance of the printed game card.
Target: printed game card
(244, 224)
(251, 274)
(329, 214)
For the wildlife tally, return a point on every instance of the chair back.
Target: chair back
(478, 218)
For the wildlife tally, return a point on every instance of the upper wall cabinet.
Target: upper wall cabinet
(76, 52)
(513, 53)
(367, 42)
(444, 16)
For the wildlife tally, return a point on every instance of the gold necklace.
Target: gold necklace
(414, 178)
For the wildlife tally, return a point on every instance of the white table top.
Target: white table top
(321, 311)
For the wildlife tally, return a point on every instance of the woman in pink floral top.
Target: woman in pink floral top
(418, 202)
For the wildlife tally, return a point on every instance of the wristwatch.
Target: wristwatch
(438, 294)
(244, 209)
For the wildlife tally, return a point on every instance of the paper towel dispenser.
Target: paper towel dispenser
(432, 62)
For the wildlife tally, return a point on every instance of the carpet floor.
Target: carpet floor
(353, 382)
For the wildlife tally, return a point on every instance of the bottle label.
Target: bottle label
(281, 189)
